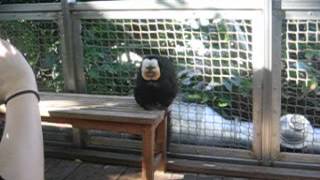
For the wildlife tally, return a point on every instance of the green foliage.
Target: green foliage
(307, 72)
(105, 72)
(196, 89)
(39, 43)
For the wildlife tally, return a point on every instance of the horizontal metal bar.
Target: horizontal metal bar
(300, 5)
(168, 4)
(28, 16)
(161, 14)
(302, 15)
(38, 7)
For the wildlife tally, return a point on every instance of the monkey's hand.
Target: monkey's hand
(15, 73)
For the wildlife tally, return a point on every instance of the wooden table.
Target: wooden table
(111, 113)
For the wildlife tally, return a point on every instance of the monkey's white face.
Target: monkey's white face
(150, 69)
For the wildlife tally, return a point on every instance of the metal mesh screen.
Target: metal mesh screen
(214, 64)
(39, 42)
(300, 123)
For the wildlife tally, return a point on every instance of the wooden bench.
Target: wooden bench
(111, 113)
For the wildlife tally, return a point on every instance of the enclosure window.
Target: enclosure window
(300, 121)
(213, 58)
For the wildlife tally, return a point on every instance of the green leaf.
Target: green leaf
(312, 84)
(223, 102)
(193, 98)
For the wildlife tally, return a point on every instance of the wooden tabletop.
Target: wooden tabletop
(96, 107)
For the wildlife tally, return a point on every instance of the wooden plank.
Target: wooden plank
(96, 141)
(246, 171)
(107, 115)
(131, 174)
(156, 161)
(271, 84)
(213, 153)
(102, 125)
(176, 150)
(208, 177)
(29, 16)
(51, 95)
(93, 156)
(302, 15)
(114, 172)
(62, 170)
(193, 166)
(93, 107)
(233, 178)
(65, 26)
(103, 108)
(168, 5)
(148, 154)
(159, 175)
(54, 136)
(57, 143)
(189, 176)
(50, 163)
(87, 171)
(65, 133)
(297, 5)
(166, 14)
(298, 165)
(258, 76)
(276, 18)
(299, 157)
(92, 171)
(78, 55)
(161, 140)
(175, 176)
(76, 137)
(34, 7)
(57, 129)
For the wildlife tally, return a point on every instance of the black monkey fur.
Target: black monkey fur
(157, 94)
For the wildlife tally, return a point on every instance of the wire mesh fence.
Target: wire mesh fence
(214, 63)
(300, 123)
(39, 41)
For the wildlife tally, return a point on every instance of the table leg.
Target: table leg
(161, 140)
(148, 153)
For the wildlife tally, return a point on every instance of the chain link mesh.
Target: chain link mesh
(39, 42)
(214, 63)
(300, 75)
